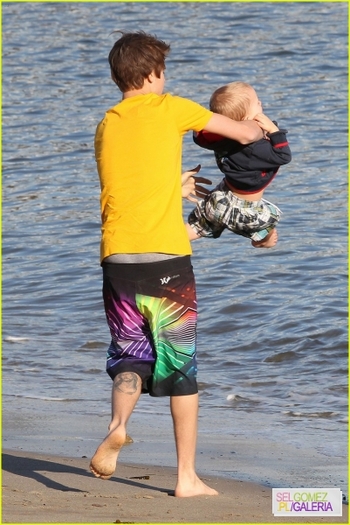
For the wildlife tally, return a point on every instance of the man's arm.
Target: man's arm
(245, 131)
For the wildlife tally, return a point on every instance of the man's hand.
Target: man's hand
(191, 189)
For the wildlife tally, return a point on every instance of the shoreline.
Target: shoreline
(45, 488)
(262, 457)
(247, 456)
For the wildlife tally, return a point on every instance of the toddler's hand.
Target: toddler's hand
(265, 123)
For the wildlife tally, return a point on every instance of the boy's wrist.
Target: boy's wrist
(274, 127)
(277, 136)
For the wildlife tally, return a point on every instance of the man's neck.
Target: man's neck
(136, 92)
(150, 85)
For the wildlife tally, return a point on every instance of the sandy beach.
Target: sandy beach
(43, 488)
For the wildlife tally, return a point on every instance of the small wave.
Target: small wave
(240, 399)
(42, 398)
(14, 339)
(91, 346)
(322, 415)
(282, 356)
(234, 397)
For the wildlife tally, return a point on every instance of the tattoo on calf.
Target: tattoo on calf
(126, 382)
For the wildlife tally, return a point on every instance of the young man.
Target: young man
(148, 283)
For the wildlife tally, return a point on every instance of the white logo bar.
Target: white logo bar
(307, 502)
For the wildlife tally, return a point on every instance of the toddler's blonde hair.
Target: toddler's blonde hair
(232, 100)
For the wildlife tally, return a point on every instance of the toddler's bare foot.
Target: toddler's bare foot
(195, 487)
(104, 461)
(268, 242)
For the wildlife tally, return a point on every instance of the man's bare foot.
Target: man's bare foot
(193, 488)
(268, 242)
(104, 461)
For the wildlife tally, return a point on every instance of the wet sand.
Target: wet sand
(43, 488)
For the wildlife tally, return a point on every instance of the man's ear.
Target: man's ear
(151, 77)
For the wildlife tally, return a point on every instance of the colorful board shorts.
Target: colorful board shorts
(151, 311)
(221, 210)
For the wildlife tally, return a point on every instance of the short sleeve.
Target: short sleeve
(189, 115)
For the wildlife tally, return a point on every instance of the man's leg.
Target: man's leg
(125, 394)
(184, 411)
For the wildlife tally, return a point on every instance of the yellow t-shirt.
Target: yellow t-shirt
(138, 149)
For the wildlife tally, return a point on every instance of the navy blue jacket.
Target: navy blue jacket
(251, 167)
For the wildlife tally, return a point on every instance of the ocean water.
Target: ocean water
(272, 332)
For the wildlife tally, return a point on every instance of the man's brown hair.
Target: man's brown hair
(231, 100)
(134, 57)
